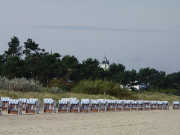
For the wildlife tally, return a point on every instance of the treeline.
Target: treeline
(31, 62)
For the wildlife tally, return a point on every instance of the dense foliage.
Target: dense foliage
(53, 70)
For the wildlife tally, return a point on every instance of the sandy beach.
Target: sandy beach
(114, 123)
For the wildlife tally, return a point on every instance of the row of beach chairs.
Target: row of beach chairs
(67, 105)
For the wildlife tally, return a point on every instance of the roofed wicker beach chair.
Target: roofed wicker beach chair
(140, 105)
(74, 105)
(165, 105)
(49, 105)
(103, 105)
(159, 105)
(153, 105)
(5, 101)
(95, 105)
(127, 105)
(63, 106)
(111, 105)
(134, 105)
(147, 105)
(119, 105)
(176, 105)
(85, 105)
(33, 106)
(23, 100)
(14, 106)
(0, 108)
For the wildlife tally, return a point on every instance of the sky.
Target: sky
(135, 33)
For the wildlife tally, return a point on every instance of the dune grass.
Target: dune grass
(156, 96)
(41, 95)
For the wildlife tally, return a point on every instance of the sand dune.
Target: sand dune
(114, 123)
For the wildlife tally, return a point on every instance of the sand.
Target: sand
(109, 123)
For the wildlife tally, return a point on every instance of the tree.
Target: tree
(69, 67)
(49, 65)
(90, 69)
(14, 48)
(13, 67)
(31, 48)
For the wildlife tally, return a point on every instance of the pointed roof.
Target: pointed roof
(105, 60)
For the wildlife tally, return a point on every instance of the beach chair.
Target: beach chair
(74, 105)
(32, 106)
(14, 107)
(147, 105)
(23, 100)
(140, 105)
(103, 105)
(119, 105)
(153, 105)
(5, 101)
(176, 105)
(134, 105)
(63, 106)
(111, 105)
(0, 108)
(49, 105)
(159, 105)
(165, 105)
(95, 105)
(85, 105)
(127, 105)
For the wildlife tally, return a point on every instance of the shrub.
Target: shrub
(63, 86)
(102, 87)
(19, 84)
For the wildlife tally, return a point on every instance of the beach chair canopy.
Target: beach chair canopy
(111, 101)
(153, 102)
(147, 102)
(159, 102)
(74, 101)
(31, 101)
(134, 102)
(5, 98)
(127, 102)
(23, 100)
(64, 102)
(175, 102)
(13, 101)
(96, 102)
(103, 101)
(165, 102)
(140, 102)
(48, 101)
(85, 101)
(119, 101)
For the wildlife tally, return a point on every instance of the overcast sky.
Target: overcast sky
(135, 33)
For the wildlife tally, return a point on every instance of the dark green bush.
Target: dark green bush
(102, 87)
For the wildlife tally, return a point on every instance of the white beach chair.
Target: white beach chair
(95, 105)
(14, 107)
(49, 105)
(85, 105)
(111, 105)
(5, 101)
(33, 106)
(119, 105)
(176, 105)
(63, 106)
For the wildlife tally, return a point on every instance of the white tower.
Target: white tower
(105, 63)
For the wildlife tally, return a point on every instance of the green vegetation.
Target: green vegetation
(57, 96)
(22, 67)
(102, 87)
